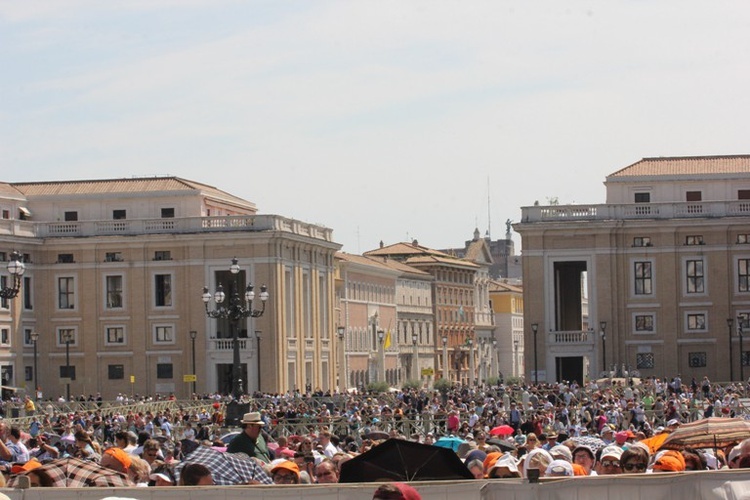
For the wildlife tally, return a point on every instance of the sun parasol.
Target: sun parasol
(400, 460)
(502, 430)
(655, 442)
(76, 473)
(450, 442)
(592, 442)
(711, 432)
(226, 468)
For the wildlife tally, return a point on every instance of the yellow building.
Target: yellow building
(507, 306)
(117, 268)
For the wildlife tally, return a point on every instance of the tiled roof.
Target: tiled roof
(124, 186)
(405, 249)
(499, 286)
(8, 191)
(436, 259)
(686, 165)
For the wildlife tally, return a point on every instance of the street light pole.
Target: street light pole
(534, 328)
(67, 337)
(257, 347)
(516, 364)
(415, 360)
(742, 360)
(343, 372)
(193, 334)
(238, 308)
(730, 324)
(446, 372)
(381, 367)
(34, 339)
(603, 333)
(472, 366)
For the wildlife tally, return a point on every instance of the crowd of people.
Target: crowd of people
(561, 429)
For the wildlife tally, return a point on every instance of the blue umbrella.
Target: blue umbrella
(451, 442)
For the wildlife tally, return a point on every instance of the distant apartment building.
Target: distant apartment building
(507, 305)
(115, 271)
(655, 281)
(454, 306)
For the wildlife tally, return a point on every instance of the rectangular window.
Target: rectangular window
(167, 213)
(163, 335)
(113, 257)
(163, 255)
(745, 358)
(29, 371)
(695, 276)
(65, 258)
(27, 292)
(694, 240)
(743, 194)
(65, 293)
(642, 197)
(164, 370)
(643, 278)
(642, 241)
(119, 214)
(696, 322)
(68, 334)
(693, 196)
(6, 214)
(68, 372)
(114, 292)
(4, 303)
(116, 372)
(6, 374)
(163, 290)
(743, 275)
(644, 360)
(27, 337)
(5, 336)
(71, 216)
(697, 359)
(743, 239)
(644, 323)
(115, 335)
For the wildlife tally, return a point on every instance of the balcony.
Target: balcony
(226, 344)
(635, 211)
(571, 338)
(186, 225)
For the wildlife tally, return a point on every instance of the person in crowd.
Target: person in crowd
(326, 472)
(195, 475)
(609, 461)
(583, 455)
(285, 472)
(396, 491)
(634, 460)
(250, 441)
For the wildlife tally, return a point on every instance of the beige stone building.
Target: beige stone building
(454, 306)
(117, 267)
(507, 305)
(656, 280)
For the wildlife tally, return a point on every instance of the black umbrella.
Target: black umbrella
(502, 444)
(399, 460)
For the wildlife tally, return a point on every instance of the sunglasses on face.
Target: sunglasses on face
(610, 463)
(634, 467)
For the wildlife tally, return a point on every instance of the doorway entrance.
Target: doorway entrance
(569, 368)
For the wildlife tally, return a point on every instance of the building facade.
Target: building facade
(507, 305)
(114, 276)
(656, 281)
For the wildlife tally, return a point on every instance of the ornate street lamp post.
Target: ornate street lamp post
(472, 367)
(16, 268)
(730, 324)
(742, 354)
(34, 339)
(238, 309)
(343, 372)
(516, 364)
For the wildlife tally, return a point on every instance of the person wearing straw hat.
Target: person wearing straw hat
(250, 441)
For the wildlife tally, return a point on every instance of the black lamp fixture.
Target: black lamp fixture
(237, 309)
(414, 338)
(34, 336)
(193, 335)
(16, 268)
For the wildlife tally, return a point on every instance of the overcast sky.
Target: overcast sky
(383, 120)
